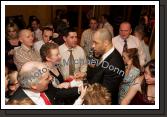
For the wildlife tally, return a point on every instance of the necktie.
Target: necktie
(71, 63)
(45, 98)
(125, 45)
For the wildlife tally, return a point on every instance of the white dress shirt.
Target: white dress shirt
(38, 34)
(35, 97)
(37, 45)
(79, 58)
(132, 42)
(146, 51)
(78, 101)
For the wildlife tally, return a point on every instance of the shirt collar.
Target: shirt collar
(38, 30)
(26, 48)
(124, 39)
(66, 48)
(107, 54)
(31, 93)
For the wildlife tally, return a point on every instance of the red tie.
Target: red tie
(45, 98)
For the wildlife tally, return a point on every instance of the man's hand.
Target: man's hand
(65, 85)
(80, 75)
(82, 90)
(50, 41)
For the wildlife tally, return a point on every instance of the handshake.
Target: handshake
(73, 81)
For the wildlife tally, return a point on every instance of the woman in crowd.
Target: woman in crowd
(11, 37)
(94, 94)
(140, 34)
(132, 70)
(50, 56)
(11, 41)
(143, 90)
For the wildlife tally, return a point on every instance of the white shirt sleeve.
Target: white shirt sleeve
(78, 101)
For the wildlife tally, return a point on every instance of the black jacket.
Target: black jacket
(54, 94)
(109, 73)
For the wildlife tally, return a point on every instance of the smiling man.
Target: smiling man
(34, 79)
(25, 52)
(73, 60)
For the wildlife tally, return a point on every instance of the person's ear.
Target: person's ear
(105, 42)
(33, 86)
(130, 31)
(20, 39)
(64, 38)
(48, 59)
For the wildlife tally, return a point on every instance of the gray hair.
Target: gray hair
(27, 78)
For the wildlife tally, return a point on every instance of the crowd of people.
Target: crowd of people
(46, 65)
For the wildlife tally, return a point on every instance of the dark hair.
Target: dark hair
(45, 50)
(133, 54)
(151, 66)
(35, 19)
(93, 18)
(46, 28)
(60, 27)
(105, 16)
(67, 30)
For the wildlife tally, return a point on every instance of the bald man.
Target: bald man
(110, 70)
(34, 79)
(25, 52)
(132, 41)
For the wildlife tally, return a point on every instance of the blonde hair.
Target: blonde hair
(14, 26)
(96, 94)
(23, 101)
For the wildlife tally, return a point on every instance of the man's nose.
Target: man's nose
(93, 45)
(32, 38)
(50, 78)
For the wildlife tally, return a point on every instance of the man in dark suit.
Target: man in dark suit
(110, 69)
(34, 80)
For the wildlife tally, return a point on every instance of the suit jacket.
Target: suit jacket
(109, 73)
(54, 94)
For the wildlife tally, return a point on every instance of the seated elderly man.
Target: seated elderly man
(25, 52)
(34, 80)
